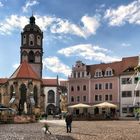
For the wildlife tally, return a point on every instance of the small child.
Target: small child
(46, 128)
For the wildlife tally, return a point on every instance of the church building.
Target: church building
(25, 90)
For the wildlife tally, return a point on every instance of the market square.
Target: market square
(81, 130)
(69, 70)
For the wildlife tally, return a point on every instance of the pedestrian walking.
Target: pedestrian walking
(46, 129)
(68, 121)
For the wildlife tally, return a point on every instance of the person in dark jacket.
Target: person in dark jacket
(68, 120)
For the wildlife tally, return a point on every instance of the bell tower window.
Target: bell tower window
(31, 57)
(31, 43)
(38, 40)
(24, 39)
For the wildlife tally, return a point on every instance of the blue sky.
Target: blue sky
(93, 31)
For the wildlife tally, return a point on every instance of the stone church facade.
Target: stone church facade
(25, 90)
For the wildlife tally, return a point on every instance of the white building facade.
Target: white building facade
(129, 94)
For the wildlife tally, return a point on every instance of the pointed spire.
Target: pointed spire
(32, 19)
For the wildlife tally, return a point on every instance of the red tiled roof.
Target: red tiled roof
(63, 82)
(25, 71)
(3, 80)
(118, 67)
(129, 62)
(49, 82)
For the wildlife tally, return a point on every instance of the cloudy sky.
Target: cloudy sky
(93, 31)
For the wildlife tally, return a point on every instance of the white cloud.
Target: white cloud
(125, 44)
(89, 52)
(65, 27)
(90, 25)
(15, 66)
(1, 4)
(12, 23)
(54, 24)
(29, 4)
(55, 65)
(44, 21)
(125, 13)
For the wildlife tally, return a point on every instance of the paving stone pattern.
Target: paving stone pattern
(81, 130)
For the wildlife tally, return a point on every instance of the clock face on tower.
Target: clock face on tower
(31, 39)
(31, 36)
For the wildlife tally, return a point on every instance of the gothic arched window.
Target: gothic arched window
(11, 91)
(24, 53)
(37, 57)
(36, 95)
(23, 91)
(31, 57)
(51, 98)
(37, 53)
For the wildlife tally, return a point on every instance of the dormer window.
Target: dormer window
(109, 72)
(98, 73)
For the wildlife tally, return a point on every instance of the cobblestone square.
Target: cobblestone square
(81, 130)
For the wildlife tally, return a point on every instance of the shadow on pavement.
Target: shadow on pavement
(60, 137)
(84, 134)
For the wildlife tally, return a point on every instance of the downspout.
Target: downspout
(89, 94)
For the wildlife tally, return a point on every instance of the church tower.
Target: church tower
(31, 49)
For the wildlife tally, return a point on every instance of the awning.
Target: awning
(12, 100)
(3, 109)
(105, 105)
(80, 105)
(32, 100)
(2, 106)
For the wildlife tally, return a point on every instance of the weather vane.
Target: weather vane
(32, 13)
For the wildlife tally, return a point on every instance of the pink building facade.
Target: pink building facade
(93, 84)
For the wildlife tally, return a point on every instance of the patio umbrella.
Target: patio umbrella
(2, 107)
(105, 105)
(80, 105)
